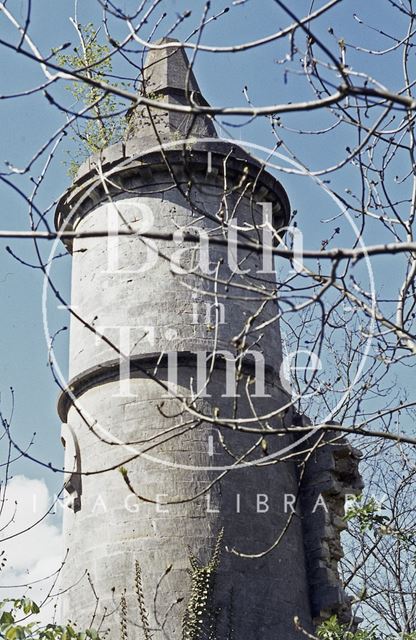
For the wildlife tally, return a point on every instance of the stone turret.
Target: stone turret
(155, 467)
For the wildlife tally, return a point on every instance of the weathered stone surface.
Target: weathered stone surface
(131, 426)
(330, 474)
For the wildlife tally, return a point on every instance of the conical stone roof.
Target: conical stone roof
(167, 77)
(167, 70)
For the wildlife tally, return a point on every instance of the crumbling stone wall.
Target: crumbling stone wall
(328, 475)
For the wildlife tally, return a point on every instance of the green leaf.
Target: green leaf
(6, 618)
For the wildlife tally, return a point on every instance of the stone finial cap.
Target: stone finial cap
(167, 77)
(167, 70)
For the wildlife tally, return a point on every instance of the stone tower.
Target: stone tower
(171, 347)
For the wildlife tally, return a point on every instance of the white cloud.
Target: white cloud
(34, 554)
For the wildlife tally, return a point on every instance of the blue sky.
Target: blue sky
(27, 122)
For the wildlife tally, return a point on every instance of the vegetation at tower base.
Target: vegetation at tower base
(18, 615)
(13, 629)
(14, 624)
(142, 607)
(332, 629)
(200, 617)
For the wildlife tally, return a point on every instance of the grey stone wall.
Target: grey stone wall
(182, 481)
(113, 528)
(330, 474)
